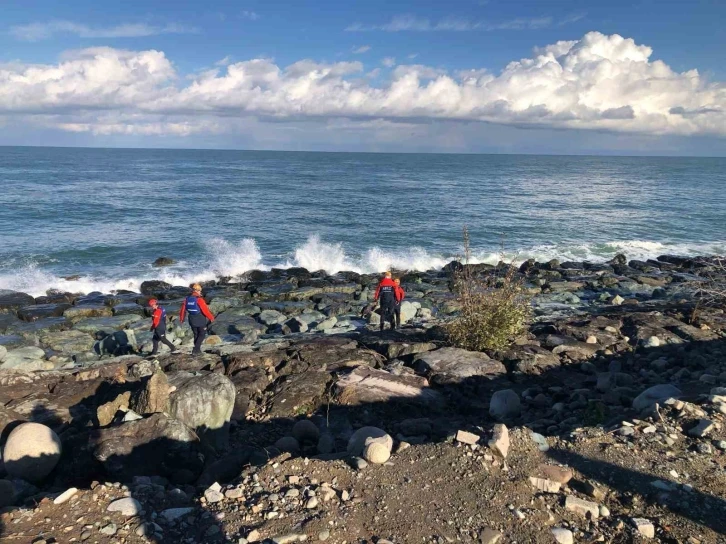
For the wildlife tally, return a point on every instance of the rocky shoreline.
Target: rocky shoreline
(302, 422)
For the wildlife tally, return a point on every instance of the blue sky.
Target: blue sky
(394, 75)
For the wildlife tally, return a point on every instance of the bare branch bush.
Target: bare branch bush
(494, 309)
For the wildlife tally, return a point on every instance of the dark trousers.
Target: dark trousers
(397, 313)
(199, 334)
(387, 314)
(161, 337)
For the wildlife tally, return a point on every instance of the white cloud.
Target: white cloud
(362, 49)
(40, 31)
(599, 82)
(251, 15)
(388, 62)
(412, 23)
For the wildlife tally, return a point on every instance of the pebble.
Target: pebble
(466, 437)
(172, 514)
(544, 485)
(312, 503)
(126, 507)
(562, 536)
(644, 527)
(65, 496)
(703, 427)
(234, 493)
(604, 511)
(109, 529)
(289, 538)
(253, 536)
(359, 463)
(292, 493)
(500, 440)
(325, 535)
(488, 536)
(579, 506)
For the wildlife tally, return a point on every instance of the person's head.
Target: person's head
(153, 304)
(196, 289)
(387, 274)
(397, 281)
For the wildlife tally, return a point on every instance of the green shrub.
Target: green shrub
(495, 308)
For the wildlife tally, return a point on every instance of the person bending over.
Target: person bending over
(199, 316)
(399, 294)
(386, 294)
(158, 327)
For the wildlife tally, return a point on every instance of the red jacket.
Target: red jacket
(399, 293)
(202, 306)
(156, 317)
(385, 282)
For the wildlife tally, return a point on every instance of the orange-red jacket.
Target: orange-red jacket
(157, 317)
(385, 282)
(202, 307)
(399, 293)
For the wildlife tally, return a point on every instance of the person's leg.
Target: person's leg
(398, 316)
(155, 344)
(199, 335)
(196, 331)
(167, 343)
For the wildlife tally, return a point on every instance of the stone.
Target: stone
(288, 444)
(156, 445)
(644, 527)
(153, 397)
(109, 530)
(305, 431)
(7, 493)
(702, 428)
(75, 313)
(499, 442)
(326, 443)
(65, 496)
(544, 485)
(581, 507)
(652, 342)
(25, 358)
(654, 395)
(31, 452)
(377, 450)
(556, 474)
(466, 437)
(311, 503)
(107, 411)
(562, 536)
(489, 536)
(205, 403)
(366, 385)
(452, 366)
(617, 300)
(358, 441)
(173, 514)
(213, 494)
(127, 506)
(504, 405)
(540, 440)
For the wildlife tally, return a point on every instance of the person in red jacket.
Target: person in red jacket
(400, 294)
(385, 293)
(158, 327)
(199, 316)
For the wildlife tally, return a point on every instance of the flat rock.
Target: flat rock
(447, 366)
(365, 385)
(581, 507)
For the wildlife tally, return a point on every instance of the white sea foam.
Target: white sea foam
(232, 259)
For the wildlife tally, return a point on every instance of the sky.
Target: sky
(639, 77)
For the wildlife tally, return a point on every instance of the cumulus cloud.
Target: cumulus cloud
(41, 31)
(597, 82)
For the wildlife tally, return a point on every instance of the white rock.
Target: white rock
(357, 442)
(65, 496)
(128, 507)
(466, 437)
(562, 536)
(581, 507)
(644, 527)
(31, 452)
(500, 440)
(655, 394)
(544, 485)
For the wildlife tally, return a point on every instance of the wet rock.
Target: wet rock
(31, 452)
(163, 261)
(14, 300)
(154, 287)
(505, 405)
(40, 311)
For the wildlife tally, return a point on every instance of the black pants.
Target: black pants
(397, 313)
(387, 314)
(160, 336)
(199, 334)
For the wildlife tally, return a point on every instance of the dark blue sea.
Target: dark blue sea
(103, 216)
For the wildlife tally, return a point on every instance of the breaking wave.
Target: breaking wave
(234, 258)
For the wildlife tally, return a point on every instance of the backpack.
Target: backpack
(192, 306)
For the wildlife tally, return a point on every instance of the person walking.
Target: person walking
(385, 293)
(399, 295)
(158, 327)
(199, 316)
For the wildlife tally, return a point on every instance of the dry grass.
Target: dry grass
(495, 308)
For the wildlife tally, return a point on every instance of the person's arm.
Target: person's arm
(375, 295)
(205, 309)
(183, 311)
(156, 318)
(403, 294)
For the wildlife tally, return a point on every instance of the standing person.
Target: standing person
(400, 294)
(158, 327)
(199, 316)
(385, 292)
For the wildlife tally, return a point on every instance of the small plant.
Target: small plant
(495, 308)
(710, 290)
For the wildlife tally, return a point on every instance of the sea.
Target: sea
(82, 220)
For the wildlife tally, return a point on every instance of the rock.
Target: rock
(604, 511)
(617, 300)
(128, 507)
(156, 445)
(7, 493)
(14, 300)
(163, 261)
(702, 428)
(489, 536)
(644, 527)
(213, 494)
(562, 536)
(153, 397)
(467, 438)
(544, 485)
(326, 443)
(31, 452)
(154, 287)
(65, 496)
(3, 353)
(107, 411)
(75, 313)
(499, 442)
(359, 439)
(447, 366)
(205, 403)
(653, 395)
(652, 342)
(271, 317)
(365, 385)
(288, 444)
(109, 530)
(581, 507)
(305, 431)
(378, 450)
(300, 393)
(556, 474)
(173, 514)
(311, 503)
(505, 405)
(94, 325)
(540, 440)
(27, 358)
(40, 311)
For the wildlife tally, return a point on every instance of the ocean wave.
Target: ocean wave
(226, 258)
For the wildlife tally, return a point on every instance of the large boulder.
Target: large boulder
(27, 358)
(39, 311)
(156, 445)
(365, 385)
(408, 310)
(154, 287)
(235, 321)
(68, 342)
(75, 313)
(656, 394)
(93, 325)
(365, 435)
(204, 402)
(13, 300)
(31, 452)
(447, 366)
(153, 396)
